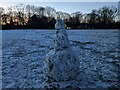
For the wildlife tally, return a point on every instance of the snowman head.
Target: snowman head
(60, 24)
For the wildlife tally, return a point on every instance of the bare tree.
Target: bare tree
(40, 11)
(50, 12)
(77, 16)
(107, 14)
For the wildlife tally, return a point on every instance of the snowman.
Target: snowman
(61, 63)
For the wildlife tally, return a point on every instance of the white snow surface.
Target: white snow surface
(24, 54)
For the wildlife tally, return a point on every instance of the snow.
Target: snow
(24, 53)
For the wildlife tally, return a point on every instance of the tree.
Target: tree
(39, 17)
(77, 16)
(63, 15)
(107, 14)
(1, 14)
(2, 10)
(50, 12)
(93, 16)
(28, 13)
(40, 11)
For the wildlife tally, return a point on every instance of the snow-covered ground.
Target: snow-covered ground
(24, 54)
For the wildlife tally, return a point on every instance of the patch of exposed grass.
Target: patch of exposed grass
(83, 43)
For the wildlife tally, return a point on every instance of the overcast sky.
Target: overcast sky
(68, 7)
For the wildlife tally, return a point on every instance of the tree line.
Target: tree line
(36, 17)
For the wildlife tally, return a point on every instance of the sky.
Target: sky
(68, 7)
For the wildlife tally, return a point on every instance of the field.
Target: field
(24, 52)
